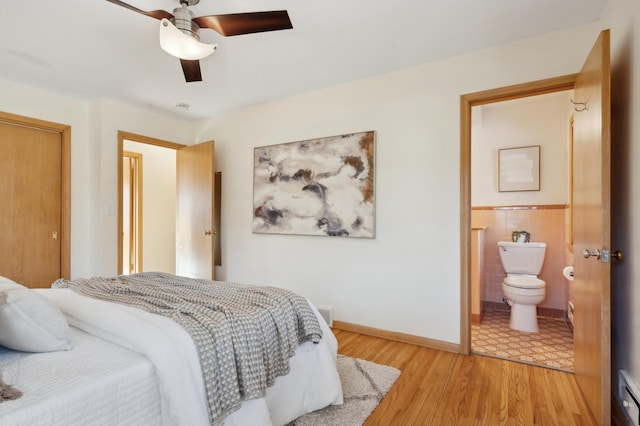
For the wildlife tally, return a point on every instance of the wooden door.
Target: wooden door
(195, 206)
(31, 205)
(591, 210)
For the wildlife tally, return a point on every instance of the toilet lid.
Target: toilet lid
(524, 282)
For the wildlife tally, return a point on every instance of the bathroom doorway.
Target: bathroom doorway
(541, 120)
(591, 215)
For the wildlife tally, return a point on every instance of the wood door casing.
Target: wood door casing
(34, 214)
(591, 225)
(122, 137)
(195, 208)
(132, 213)
(467, 102)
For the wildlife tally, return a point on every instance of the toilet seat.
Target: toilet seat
(522, 281)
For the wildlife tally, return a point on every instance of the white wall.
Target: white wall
(94, 131)
(159, 206)
(540, 120)
(111, 117)
(35, 103)
(407, 278)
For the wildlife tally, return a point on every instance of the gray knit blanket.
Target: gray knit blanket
(244, 334)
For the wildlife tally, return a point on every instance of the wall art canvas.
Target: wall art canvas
(519, 169)
(319, 186)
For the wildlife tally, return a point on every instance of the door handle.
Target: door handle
(591, 253)
(209, 233)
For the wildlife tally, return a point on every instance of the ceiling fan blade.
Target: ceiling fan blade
(157, 14)
(191, 70)
(245, 23)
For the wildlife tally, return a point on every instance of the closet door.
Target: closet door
(31, 204)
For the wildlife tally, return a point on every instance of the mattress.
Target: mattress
(95, 383)
(127, 361)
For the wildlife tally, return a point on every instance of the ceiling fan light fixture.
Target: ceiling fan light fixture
(182, 46)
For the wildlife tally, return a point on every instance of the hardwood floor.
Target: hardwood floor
(443, 388)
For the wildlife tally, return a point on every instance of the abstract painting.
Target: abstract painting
(319, 186)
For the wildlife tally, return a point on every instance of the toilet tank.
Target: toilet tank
(522, 258)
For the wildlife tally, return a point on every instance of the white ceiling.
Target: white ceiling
(92, 49)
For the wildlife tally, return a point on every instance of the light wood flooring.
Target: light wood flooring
(443, 388)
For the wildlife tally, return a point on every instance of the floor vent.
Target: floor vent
(327, 314)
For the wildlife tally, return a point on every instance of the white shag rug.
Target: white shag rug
(364, 384)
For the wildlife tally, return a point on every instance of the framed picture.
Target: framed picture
(319, 186)
(519, 169)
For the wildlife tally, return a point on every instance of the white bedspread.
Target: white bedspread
(81, 387)
(313, 382)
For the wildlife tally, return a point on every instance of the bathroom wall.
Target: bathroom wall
(541, 120)
(545, 223)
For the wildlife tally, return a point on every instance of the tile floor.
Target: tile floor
(551, 347)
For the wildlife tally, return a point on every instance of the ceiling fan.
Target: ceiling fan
(181, 29)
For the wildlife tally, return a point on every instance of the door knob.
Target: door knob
(207, 233)
(591, 253)
(617, 255)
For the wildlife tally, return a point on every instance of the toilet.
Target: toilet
(521, 287)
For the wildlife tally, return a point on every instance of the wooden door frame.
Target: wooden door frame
(135, 209)
(122, 136)
(65, 194)
(467, 101)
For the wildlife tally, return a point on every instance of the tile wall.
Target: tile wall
(545, 223)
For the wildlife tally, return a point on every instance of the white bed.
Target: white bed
(79, 388)
(145, 368)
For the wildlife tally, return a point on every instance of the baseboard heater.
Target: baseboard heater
(629, 394)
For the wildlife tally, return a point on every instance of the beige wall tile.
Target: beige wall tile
(544, 224)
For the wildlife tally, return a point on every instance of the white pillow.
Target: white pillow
(31, 323)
